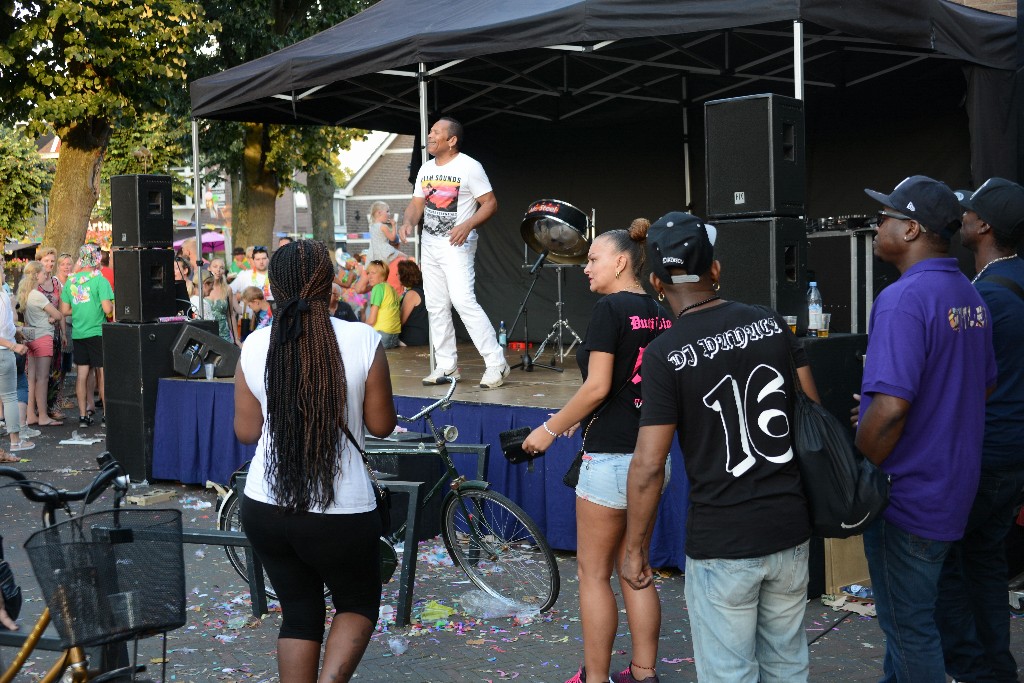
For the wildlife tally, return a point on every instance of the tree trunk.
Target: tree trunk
(320, 190)
(257, 197)
(76, 183)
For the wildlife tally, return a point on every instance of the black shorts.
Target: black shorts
(302, 552)
(88, 351)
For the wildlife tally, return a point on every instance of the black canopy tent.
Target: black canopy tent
(597, 102)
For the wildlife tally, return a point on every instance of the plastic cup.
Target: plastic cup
(209, 370)
(791, 321)
(826, 318)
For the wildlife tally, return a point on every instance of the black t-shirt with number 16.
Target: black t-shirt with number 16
(723, 375)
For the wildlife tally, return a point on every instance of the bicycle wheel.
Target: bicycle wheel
(500, 548)
(230, 520)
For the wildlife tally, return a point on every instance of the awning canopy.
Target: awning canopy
(559, 60)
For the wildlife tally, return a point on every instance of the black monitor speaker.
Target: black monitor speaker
(140, 211)
(144, 285)
(764, 261)
(754, 156)
(195, 348)
(135, 357)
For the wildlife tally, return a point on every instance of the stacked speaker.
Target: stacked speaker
(755, 165)
(136, 348)
(142, 226)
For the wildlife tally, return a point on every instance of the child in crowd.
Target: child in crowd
(383, 311)
(253, 298)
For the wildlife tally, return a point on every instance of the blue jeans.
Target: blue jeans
(747, 617)
(9, 390)
(972, 614)
(904, 572)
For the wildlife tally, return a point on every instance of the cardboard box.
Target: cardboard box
(845, 563)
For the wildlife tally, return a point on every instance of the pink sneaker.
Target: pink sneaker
(580, 677)
(626, 676)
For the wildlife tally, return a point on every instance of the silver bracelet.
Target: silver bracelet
(545, 426)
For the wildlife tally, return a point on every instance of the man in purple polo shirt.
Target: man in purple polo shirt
(928, 369)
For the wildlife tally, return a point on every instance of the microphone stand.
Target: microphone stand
(527, 363)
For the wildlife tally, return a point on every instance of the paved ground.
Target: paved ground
(222, 642)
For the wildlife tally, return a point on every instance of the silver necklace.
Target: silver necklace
(995, 260)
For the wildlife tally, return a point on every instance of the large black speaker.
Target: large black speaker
(194, 348)
(135, 356)
(764, 262)
(143, 285)
(754, 156)
(140, 211)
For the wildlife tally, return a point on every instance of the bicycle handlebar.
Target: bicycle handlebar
(433, 406)
(53, 497)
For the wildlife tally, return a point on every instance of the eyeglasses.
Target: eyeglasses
(257, 250)
(882, 215)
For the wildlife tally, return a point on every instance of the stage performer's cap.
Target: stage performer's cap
(998, 202)
(681, 240)
(929, 202)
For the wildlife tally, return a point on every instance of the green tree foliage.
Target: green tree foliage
(24, 180)
(264, 157)
(85, 66)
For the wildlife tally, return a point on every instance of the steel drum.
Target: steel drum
(558, 227)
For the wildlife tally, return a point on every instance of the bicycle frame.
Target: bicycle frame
(73, 659)
(457, 483)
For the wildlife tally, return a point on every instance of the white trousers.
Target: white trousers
(449, 279)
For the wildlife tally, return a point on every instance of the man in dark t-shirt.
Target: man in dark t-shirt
(722, 378)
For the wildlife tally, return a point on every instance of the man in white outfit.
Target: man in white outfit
(454, 197)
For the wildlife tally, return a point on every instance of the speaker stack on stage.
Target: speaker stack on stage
(755, 163)
(137, 348)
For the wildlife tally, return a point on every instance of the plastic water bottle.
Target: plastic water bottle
(813, 310)
(502, 334)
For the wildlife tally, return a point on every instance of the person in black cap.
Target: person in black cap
(928, 366)
(972, 615)
(721, 377)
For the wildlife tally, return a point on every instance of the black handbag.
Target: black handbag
(845, 491)
(381, 493)
(512, 445)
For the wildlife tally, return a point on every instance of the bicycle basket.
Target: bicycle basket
(111, 576)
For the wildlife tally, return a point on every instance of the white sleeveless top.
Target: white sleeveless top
(353, 490)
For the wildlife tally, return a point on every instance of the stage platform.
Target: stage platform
(540, 388)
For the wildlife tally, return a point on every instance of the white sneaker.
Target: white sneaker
(27, 432)
(439, 376)
(495, 377)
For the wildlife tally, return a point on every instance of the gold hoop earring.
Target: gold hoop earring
(715, 286)
(617, 274)
(661, 296)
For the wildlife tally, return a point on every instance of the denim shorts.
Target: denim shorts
(603, 478)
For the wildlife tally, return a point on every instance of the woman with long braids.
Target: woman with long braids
(309, 508)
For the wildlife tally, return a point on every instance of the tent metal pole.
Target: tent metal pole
(686, 146)
(197, 200)
(798, 59)
(422, 78)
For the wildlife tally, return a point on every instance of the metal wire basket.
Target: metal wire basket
(111, 576)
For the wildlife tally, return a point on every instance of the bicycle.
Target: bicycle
(77, 617)
(488, 536)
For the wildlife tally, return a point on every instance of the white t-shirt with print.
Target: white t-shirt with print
(450, 192)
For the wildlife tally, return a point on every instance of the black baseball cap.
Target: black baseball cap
(928, 201)
(998, 202)
(681, 240)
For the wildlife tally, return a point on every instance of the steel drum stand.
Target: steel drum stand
(560, 325)
(527, 363)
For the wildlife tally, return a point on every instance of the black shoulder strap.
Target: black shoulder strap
(1004, 282)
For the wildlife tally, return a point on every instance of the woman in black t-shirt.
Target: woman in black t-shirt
(414, 306)
(607, 406)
